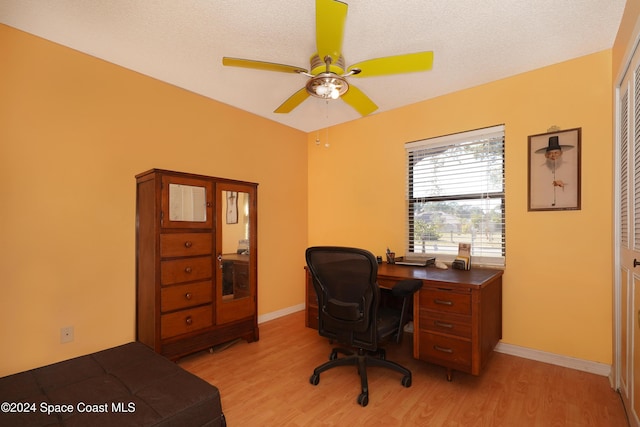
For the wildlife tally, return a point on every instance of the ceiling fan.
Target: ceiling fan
(327, 77)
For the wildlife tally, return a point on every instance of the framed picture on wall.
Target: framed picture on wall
(232, 207)
(554, 170)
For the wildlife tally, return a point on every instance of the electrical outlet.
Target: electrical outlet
(66, 334)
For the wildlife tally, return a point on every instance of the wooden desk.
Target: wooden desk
(457, 314)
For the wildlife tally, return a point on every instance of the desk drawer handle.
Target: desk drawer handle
(443, 349)
(188, 320)
(188, 295)
(187, 270)
(443, 325)
(188, 244)
(443, 302)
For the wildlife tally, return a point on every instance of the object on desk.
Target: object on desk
(416, 262)
(464, 249)
(461, 263)
(464, 257)
(379, 259)
(391, 257)
(441, 265)
(458, 264)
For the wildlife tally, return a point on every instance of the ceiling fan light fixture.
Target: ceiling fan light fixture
(327, 86)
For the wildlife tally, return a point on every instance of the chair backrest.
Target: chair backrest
(345, 280)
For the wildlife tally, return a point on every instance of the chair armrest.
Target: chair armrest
(404, 288)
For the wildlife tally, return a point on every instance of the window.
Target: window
(456, 195)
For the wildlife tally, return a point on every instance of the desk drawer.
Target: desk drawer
(185, 270)
(445, 323)
(185, 244)
(183, 296)
(184, 321)
(445, 301)
(449, 351)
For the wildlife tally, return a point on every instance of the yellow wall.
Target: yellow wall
(558, 279)
(74, 131)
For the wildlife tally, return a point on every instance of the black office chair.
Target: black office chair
(345, 280)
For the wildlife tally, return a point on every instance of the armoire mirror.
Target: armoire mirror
(187, 203)
(236, 250)
(237, 265)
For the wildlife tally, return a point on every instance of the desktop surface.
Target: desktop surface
(475, 277)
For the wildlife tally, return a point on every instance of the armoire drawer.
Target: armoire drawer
(445, 301)
(185, 270)
(185, 321)
(183, 296)
(185, 244)
(445, 323)
(454, 352)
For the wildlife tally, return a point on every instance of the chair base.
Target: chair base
(361, 359)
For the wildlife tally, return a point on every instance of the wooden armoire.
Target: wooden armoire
(196, 261)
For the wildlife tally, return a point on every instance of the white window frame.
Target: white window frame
(480, 255)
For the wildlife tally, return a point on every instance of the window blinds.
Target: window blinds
(455, 195)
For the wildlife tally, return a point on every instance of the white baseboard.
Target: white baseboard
(279, 313)
(555, 359)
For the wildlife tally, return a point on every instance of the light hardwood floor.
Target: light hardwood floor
(266, 383)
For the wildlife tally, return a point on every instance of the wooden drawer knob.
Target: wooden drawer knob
(188, 320)
(188, 244)
(187, 270)
(443, 302)
(188, 295)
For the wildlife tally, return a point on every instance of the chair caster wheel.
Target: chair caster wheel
(363, 399)
(315, 379)
(406, 381)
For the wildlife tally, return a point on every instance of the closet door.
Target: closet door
(627, 361)
(236, 252)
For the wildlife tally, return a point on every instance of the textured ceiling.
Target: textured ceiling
(183, 42)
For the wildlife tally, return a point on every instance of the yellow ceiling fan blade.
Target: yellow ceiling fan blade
(398, 64)
(359, 101)
(293, 101)
(331, 16)
(261, 65)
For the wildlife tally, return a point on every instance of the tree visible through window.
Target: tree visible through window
(456, 195)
